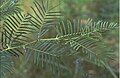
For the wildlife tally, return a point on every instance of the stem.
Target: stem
(49, 39)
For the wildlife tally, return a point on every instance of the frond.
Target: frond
(89, 49)
(47, 54)
(79, 38)
(6, 64)
(44, 15)
(15, 31)
(19, 27)
(8, 7)
(75, 28)
(23, 34)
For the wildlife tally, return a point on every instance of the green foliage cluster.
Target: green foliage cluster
(28, 35)
(8, 7)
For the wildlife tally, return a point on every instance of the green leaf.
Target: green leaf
(8, 7)
(43, 15)
(47, 54)
(75, 28)
(6, 64)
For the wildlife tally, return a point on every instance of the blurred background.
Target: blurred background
(107, 10)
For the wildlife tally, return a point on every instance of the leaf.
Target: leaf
(8, 7)
(43, 15)
(90, 51)
(16, 29)
(75, 28)
(6, 64)
(47, 54)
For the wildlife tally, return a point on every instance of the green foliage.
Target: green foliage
(8, 7)
(6, 63)
(27, 34)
